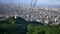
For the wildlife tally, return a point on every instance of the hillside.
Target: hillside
(20, 26)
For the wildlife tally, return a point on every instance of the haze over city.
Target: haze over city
(39, 2)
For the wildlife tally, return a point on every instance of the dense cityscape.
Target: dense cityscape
(29, 16)
(45, 14)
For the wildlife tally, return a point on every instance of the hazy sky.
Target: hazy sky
(27, 2)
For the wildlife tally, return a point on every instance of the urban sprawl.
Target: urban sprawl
(45, 15)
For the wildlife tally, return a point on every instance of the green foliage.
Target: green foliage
(43, 29)
(20, 26)
(10, 26)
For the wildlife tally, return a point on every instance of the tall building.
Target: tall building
(46, 21)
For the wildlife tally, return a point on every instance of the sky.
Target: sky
(27, 2)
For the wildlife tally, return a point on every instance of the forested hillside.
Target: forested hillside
(20, 26)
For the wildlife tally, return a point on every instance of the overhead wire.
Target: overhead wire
(35, 3)
(31, 3)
